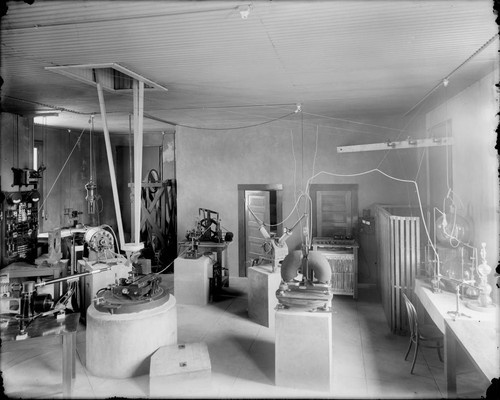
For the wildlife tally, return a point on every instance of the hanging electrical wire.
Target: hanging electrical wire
(56, 108)
(237, 127)
(107, 20)
(446, 79)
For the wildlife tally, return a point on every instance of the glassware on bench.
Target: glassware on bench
(483, 271)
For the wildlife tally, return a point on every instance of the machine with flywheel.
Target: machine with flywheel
(158, 219)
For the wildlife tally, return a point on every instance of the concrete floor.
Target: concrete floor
(368, 359)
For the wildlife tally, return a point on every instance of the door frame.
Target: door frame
(278, 188)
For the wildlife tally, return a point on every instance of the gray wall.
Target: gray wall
(474, 120)
(211, 165)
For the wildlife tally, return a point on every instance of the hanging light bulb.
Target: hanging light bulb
(244, 11)
(90, 187)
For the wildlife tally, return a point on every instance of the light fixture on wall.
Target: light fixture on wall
(41, 118)
(244, 11)
(411, 141)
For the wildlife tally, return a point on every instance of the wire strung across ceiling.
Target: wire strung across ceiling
(234, 127)
(445, 80)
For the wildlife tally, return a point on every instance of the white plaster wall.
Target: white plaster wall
(211, 164)
(473, 113)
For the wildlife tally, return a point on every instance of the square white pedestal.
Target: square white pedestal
(191, 284)
(262, 286)
(304, 350)
(182, 370)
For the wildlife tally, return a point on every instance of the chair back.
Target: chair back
(412, 316)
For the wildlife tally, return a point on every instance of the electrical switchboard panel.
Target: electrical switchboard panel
(19, 226)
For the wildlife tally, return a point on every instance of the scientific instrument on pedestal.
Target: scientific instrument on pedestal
(133, 294)
(207, 229)
(305, 282)
(275, 247)
(130, 292)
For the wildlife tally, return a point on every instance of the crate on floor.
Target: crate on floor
(182, 369)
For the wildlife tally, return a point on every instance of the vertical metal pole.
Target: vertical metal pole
(138, 136)
(68, 354)
(110, 162)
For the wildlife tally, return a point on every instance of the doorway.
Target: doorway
(265, 201)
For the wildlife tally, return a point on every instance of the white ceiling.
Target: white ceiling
(341, 60)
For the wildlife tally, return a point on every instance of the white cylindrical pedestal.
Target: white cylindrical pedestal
(121, 345)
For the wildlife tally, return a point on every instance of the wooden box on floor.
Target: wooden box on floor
(182, 370)
(304, 350)
(262, 286)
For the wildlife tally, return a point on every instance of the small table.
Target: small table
(46, 331)
(476, 334)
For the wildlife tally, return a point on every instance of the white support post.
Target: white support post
(138, 139)
(110, 162)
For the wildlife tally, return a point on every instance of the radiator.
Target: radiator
(398, 243)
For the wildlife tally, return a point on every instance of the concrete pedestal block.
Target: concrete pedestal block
(191, 283)
(120, 345)
(304, 350)
(182, 370)
(262, 286)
